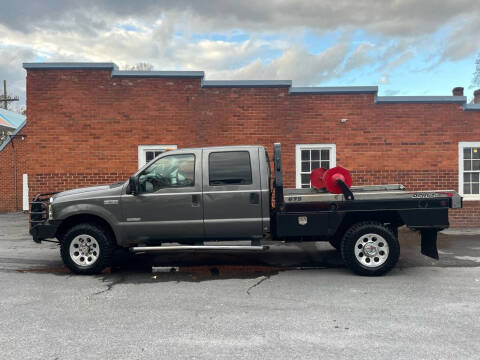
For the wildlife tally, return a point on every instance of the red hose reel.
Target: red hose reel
(336, 180)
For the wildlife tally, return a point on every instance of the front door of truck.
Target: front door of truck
(169, 203)
(231, 194)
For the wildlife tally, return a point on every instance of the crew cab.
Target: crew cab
(189, 196)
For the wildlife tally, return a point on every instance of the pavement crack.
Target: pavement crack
(257, 283)
(110, 285)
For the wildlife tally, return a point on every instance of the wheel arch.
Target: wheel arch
(385, 217)
(85, 218)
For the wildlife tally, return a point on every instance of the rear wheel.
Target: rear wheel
(370, 248)
(86, 249)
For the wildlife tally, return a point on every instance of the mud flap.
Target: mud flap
(429, 243)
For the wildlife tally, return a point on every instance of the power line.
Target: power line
(5, 98)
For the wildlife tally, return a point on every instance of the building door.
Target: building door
(231, 194)
(169, 204)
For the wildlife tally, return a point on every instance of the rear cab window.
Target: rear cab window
(229, 168)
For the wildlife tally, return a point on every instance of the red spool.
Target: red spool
(337, 173)
(316, 178)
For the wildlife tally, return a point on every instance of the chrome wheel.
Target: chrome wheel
(84, 250)
(371, 250)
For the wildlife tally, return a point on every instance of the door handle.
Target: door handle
(195, 200)
(254, 198)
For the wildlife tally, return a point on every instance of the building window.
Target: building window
(147, 153)
(312, 156)
(229, 168)
(469, 170)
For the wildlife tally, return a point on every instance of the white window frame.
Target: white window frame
(461, 146)
(298, 157)
(142, 149)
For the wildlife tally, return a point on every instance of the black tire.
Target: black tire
(369, 229)
(336, 243)
(103, 239)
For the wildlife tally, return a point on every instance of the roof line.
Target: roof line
(334, 90)
(246, 83)
(6, 142)
(2, 118)
(420, 99)
(70, 66)
(167, 74)
(471, 107)
(256, 83)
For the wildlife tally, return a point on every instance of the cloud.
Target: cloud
(361, 56)
(384, 80)
(294, 63)
(12, 72)
(464, 40)
(392, 18)
(164, 33)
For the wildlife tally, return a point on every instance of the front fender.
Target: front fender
(89, 209)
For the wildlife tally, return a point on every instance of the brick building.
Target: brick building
(89, 123)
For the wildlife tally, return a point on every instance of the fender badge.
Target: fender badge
(110, 202)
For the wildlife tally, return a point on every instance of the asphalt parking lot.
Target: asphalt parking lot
(290, 302)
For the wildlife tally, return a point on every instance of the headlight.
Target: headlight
(50, 209)
(50, 212)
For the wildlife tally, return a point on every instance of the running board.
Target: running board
(142, 249)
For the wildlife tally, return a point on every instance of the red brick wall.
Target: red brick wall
(7, 176)
(84, 128)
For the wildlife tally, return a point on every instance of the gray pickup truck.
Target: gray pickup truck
(189, 196)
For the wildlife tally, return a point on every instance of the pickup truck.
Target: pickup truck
(189, 196)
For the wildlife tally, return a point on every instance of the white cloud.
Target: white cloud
(12, 72)
(384, 80)
(160, 33)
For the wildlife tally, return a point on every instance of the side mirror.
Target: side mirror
(132, 185)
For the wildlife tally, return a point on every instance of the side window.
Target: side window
(229, 168)
(171, 171)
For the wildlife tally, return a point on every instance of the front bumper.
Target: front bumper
(44, 231)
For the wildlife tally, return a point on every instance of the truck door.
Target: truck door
(169, 204)
(231, 194)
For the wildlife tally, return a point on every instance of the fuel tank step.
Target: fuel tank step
(208, 248)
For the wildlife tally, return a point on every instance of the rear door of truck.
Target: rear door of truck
(231, 193)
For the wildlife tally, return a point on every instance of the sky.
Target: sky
(406, 47)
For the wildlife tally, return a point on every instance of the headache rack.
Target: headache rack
(39, 208)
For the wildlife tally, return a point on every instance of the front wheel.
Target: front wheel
(370, 248)
(86, 249)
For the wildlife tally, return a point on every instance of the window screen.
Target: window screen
(230, 168)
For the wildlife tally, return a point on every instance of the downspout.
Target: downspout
(14, 171)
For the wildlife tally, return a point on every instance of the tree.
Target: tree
(141, 66)
(21, 109)
(476, 74)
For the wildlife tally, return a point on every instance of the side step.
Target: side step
(196, 248)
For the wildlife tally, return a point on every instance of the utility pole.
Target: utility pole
(5, 99)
